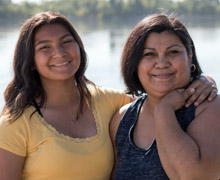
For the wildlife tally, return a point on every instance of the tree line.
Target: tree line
(109, 9)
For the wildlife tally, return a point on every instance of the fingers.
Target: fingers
(188, 93)
(213, 93)
(201, 94)
(198, 96)
(202, 83)
(204, 89)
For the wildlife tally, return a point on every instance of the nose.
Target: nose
(59, 51)
(162, 62)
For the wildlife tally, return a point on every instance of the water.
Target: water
(104, 46)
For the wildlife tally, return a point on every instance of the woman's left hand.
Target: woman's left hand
(205, 88)
(176, 98)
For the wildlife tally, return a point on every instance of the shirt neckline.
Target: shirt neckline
(70, 138)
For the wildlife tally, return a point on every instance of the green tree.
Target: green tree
(110, 9)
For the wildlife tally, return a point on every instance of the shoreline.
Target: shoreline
(189, 20)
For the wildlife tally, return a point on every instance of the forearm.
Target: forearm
(178, 152)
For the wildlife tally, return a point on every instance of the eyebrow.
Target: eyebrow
(166, 48)
(174, 46)
(46, 41)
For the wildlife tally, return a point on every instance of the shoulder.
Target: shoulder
(99, 90)
(110, 96)
(19, 126)
(119, 114)
(209, 107)
(4, 120)
(136, 102)
(117, 119)
(14, 136)
(206, 114)
(122, 112)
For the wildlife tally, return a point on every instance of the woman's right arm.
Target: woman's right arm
(194, 154)
(11, 165)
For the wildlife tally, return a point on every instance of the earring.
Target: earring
(193, 67)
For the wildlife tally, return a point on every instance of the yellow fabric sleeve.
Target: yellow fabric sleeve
(14, 136)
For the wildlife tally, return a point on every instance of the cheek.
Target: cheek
(75, 51)
(39, 61)
(143, 70)
(143, 65)
(185, 73)
(74, 48)
(140, 70)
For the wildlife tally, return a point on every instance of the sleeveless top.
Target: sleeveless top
(135, 163)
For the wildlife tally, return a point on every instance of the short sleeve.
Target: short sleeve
(117, 99)
(14, 136)
(108, 101)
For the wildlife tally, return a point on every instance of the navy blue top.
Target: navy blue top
(135, 163)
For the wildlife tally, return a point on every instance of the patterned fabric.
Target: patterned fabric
(135, 163)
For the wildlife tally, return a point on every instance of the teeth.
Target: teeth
(62, 64)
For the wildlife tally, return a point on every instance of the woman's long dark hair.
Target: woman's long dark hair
(25, 86)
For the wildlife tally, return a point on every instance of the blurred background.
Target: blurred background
(104, 26)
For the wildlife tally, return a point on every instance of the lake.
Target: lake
(104, 43)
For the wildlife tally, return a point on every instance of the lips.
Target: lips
(163, 76)
(61, 64)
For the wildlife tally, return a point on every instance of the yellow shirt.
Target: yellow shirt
(54, 156)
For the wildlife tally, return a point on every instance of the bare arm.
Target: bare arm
(194, 155)
(11, 165)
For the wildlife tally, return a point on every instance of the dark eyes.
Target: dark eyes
(151, 54)
(148, 54)
(174, 52)
(68, 41)
(44, 47)
(65, 42)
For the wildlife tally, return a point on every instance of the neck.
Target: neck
(149, 104)
(61, 93)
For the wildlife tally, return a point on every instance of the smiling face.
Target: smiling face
(165, 64)
(57, 55)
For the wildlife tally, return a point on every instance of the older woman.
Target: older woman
(157, 137)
